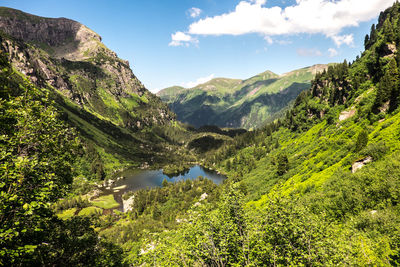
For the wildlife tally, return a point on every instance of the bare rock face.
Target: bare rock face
(344, 115)
(360, 163)
(389, 50)
(62, 37)
(68, 56)
(53, 32)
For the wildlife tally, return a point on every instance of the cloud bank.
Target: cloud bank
(327, 17)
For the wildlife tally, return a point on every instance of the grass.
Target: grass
(105, 202)
(90, 211)
(316, 155)
(67, 214)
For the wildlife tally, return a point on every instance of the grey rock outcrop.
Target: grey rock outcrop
(360, 163)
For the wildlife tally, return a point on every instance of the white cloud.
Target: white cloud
(327, 17)
(284, 42)
(181, 38)
(154, 90)
(332, 52)
(194, 12)
(198, 81)
(304, 52)
(343, 39)
(268, 39)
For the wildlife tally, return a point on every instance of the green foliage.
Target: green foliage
(175, 170)
(67, 214)
(376, 150)
(388, 86)
(36, 157)
(362, 140)
(37, 153)
(105, 202)
(220, 238)
(156, 211)
(90, 211)
(75, 243)
(280, 233)
(205, 143)
(282, 164)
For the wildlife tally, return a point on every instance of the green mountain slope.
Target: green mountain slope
(238, 103)
(37, 155)
(121, 121)
(318, 187)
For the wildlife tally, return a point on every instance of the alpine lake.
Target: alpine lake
(136, 179)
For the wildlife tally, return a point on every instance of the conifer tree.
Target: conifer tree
(388, 31)
(283, 164)
(362, 140)
(228, 165)
(366, 41)
(388, 86)
(373, 35)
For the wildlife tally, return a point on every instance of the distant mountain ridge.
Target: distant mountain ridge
(238, 103)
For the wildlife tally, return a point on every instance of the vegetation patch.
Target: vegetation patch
(90, 211)
(67, 214)
(105, 202)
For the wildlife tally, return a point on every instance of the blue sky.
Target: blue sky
(183, 42)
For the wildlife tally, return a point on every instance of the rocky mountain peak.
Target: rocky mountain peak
(61, 37)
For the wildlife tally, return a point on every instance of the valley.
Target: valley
(98, 171)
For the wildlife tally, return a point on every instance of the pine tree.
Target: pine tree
(228, 165)
(373, 36)
(362, 140)
(394, 80)
(388, 86)
(164, 183)
(283, 164)
(388, 31)
(366, 41)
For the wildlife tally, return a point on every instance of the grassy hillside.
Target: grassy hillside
(238, 103)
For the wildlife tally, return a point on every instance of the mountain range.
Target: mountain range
(239, 103)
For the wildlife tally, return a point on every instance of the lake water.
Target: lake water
(141, 179)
